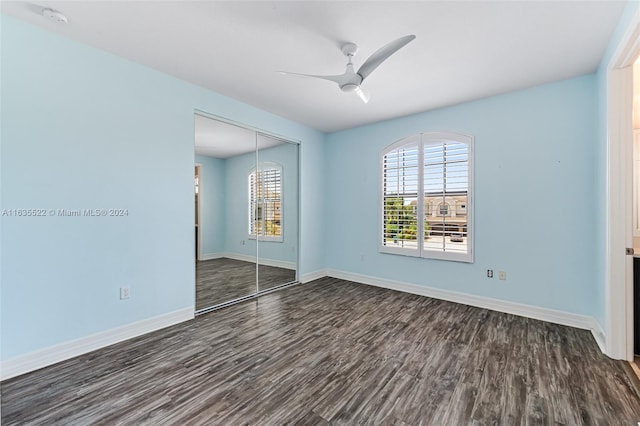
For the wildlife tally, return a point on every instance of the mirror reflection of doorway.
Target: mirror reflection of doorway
(197, 209)
(246, 212)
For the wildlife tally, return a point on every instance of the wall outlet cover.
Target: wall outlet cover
(125, 293)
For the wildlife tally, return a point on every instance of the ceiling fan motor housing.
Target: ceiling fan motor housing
(350, 79)
(349, 87)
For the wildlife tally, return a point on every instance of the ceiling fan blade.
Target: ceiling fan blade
(363, 94)
(381, 55)
(335, 78)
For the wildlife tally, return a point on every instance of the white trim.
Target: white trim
(245, 126)
(66, 350)
(619, 227)
(619, 232)
(209, 256)
(311, 276)
(535, 312)
(629, 47)
(262, 261)
(598, 335)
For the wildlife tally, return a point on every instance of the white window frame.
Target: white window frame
(421, 140)
(262, 237)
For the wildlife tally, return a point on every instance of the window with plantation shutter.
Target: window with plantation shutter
(427, 197)
(400, 208)
(265, 202)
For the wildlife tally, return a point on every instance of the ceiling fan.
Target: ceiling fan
(351, 81)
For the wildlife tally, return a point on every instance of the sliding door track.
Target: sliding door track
(245, 298)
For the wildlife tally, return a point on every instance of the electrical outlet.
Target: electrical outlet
(489, 273)
(502, 275)
(124, 293)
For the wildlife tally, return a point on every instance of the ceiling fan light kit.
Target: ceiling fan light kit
(349, 87)
(351, 81)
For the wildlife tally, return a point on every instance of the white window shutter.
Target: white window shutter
(428, 176)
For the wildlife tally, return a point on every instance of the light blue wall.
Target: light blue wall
(313, 222)
(600, 177)
(82, 128)
(237, 210)
(212, 202)
(534, 201)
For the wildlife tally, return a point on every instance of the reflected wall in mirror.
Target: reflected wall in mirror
(247, 212)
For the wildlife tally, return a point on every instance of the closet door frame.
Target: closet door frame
(285, 139)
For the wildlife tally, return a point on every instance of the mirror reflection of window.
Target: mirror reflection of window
(265, 202)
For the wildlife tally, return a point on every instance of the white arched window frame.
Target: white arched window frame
(265, 189)
(415, 171)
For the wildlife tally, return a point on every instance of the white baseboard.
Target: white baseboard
(310, 276)
(268, 262)
(63, 351)
(544, 314)
(598, 334)
(209, 256)
(238, 256)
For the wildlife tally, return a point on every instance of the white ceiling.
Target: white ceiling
(464, 50)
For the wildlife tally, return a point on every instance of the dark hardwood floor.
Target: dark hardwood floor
(272, 276)
(222, 280)
(335, 352)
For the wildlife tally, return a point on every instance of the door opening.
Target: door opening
(636, 211)
(619, 316)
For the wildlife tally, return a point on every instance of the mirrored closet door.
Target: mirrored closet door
(276, 211)
(246, 198)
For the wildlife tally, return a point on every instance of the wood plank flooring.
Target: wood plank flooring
(222, 280)
(272, 276)
(336, 352)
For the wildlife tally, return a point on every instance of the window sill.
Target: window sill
(426, 254)
(265, 239)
